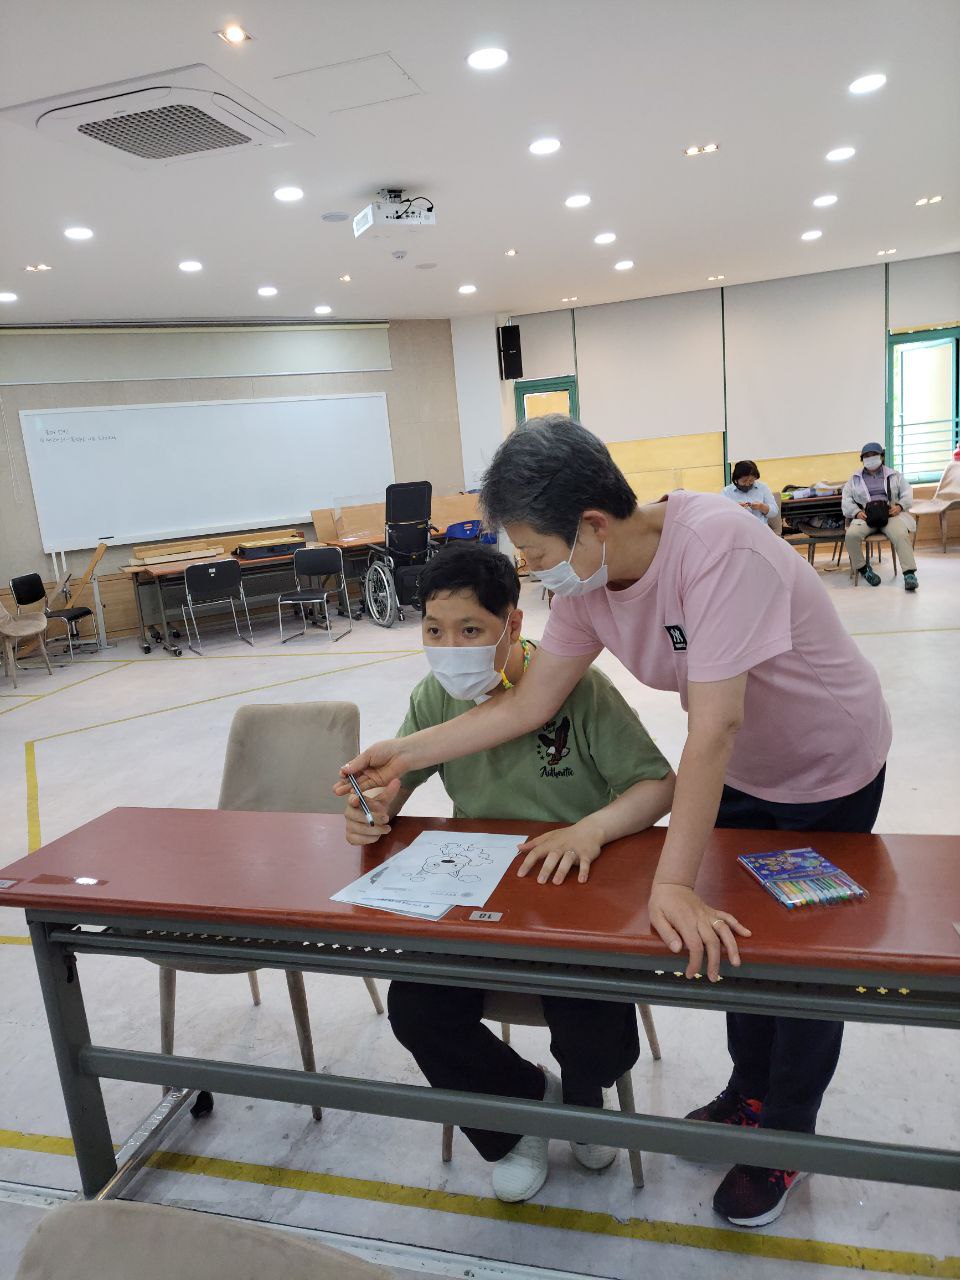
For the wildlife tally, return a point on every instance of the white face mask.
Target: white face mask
(873, 462)
(466, 670)
(564, 579)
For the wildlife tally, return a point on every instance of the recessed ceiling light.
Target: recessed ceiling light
(935, 199)
(425, 266)
(8, 297)
(322, 310)
(824, 202)
(344, 279)
(869, 84)
(716, 277)
(811, 235)
(545, 146)
(38, 266)
(922, 201)
(334, 216)
(487, 59)
(625, 265)
(234, 34)
(578, 201)
(509, 253)
(191, 265)
(467, 288)
(605, 237)
(571, 299)
(884, 253)
(288, 194)
(267, 291)
(705, 150)
(841, 153)
(78, 233)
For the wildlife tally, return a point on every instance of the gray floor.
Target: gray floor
(122, 728)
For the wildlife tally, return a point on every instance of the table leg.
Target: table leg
(82, 1096)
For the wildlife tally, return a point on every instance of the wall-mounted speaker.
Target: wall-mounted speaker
(508, 345)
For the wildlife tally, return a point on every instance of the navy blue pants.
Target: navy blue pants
(787, 1063)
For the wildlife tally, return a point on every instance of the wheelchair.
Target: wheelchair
(392, 576)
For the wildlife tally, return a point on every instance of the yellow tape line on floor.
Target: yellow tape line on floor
(717, 1239)
(14, 940)
(117, 665)
(33, 796)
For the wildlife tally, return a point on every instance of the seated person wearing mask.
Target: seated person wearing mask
(592, 767)
(748, 489)
(878, 483)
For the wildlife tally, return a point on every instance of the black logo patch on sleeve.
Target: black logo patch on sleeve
(678, 638)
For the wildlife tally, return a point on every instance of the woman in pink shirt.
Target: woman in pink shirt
(693, 596)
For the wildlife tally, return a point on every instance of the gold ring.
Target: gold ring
(571, 853)
(714, 923)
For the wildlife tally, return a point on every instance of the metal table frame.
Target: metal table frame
(59, 938)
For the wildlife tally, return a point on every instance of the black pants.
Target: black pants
(787, 1063)
(594, 1041)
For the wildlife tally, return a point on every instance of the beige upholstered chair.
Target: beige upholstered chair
(946, 497)
(14, 629)
(120, 1240)
(284, 758)
(514, 1007)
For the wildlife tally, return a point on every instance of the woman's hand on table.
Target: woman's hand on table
(683, 920)
(560, 851)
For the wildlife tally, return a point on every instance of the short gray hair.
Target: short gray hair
(547, 473)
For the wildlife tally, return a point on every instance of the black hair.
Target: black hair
(471, 566)
(744, 469)
(547, 473)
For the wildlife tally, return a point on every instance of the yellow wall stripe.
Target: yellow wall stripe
(33, 797)
(588, 1222)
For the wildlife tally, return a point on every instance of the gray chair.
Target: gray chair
(311, 566)
(13, 630)
(119, 1240)
(214, 582)
(946, 497)
(284, 759)
(519, 1009)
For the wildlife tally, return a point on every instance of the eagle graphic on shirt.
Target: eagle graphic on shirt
(553, 741)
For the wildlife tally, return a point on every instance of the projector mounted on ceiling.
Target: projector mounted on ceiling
(158, 119)
(392, 214)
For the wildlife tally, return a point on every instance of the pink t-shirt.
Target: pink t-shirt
(724, 595)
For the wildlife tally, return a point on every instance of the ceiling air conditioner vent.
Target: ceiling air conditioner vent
(186, 112)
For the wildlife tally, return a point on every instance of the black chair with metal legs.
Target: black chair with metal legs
(214, 582)
(311, 565)
(28, 589)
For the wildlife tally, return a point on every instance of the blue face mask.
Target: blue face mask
(564, 579)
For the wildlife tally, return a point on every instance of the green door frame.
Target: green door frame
(895, 340)
(524, 387)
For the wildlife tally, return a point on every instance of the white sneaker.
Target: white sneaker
(522, 1172)
(592, 1155)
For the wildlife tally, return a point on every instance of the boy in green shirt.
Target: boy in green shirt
(593, 767)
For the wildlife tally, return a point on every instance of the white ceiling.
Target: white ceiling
(625, 84)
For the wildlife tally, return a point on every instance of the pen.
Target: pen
(363, 804)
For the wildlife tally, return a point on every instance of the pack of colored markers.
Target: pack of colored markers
(801, 878)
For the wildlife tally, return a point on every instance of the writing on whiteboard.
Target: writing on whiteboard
(63, 435)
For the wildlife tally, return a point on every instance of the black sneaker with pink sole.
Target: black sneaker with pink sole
(751, 1197)
(730, 1107)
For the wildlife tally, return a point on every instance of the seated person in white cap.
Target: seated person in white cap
(878, 499)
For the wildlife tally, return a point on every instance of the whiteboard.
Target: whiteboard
(134, 473)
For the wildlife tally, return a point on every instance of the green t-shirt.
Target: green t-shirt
(591, 752)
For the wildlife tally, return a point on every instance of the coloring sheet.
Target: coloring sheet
(440, 869)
